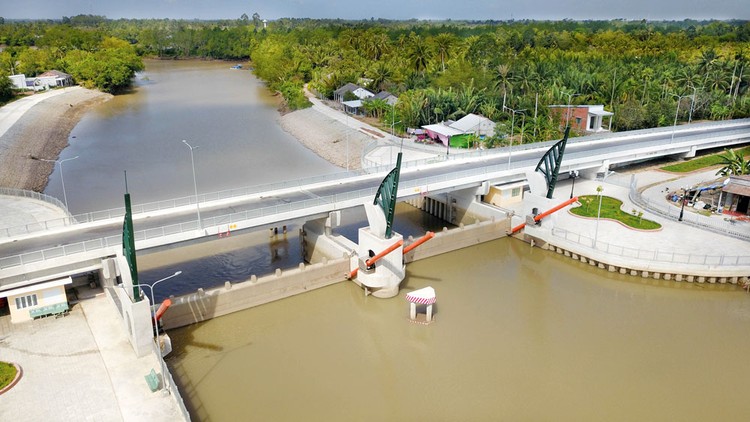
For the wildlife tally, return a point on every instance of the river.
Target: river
(519, 333)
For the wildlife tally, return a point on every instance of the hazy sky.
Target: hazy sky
(388, 9)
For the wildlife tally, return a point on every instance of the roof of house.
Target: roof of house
(382, 95)
(468, 122)
(443, 129)
(55, 73)
(347, 88)
(353, 103)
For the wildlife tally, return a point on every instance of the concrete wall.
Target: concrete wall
(459, 238)
(203, 305)
(136, 316)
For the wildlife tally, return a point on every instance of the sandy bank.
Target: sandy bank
(42, 132)
(326, 137)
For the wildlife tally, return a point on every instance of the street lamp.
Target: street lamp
(684, 199)
(512, 124)
(599, 190)
(195, 183)
(573, 174)
(692, 104)
(156, 325)
(62, 179)
(567, 114)
(346, 113)
(674, 126)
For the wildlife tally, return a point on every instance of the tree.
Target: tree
(6, 88)
(733, 164)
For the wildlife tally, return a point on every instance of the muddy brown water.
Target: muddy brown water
(519, 333)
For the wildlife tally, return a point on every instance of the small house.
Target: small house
(356, 90)
(582, 118)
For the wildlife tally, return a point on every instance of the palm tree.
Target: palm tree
(443, 45)
(733, 164)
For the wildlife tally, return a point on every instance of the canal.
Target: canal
(520, 333)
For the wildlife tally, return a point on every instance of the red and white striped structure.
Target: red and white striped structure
(424, 296)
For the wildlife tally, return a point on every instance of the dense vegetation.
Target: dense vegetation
(645, 72)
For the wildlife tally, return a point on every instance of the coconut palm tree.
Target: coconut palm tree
(733, 164)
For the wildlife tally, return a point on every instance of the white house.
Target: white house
(478, 125)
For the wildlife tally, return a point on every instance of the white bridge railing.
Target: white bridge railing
(651, 255)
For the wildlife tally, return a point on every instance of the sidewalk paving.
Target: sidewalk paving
(80, 367)
(674, 237)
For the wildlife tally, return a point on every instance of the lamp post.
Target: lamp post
(567, 114)
(512, 124)
(599, 190)
(156, 325)
(684, 199)
(195, 183)
(677, 111)
(573, 175)
(692, 104)
(62, 179)
(346, 113)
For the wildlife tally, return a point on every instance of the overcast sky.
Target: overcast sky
(387, 9)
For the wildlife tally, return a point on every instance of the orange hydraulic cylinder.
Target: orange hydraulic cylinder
(163, 308)
(377, 257)
(426, 237)
(546, 213)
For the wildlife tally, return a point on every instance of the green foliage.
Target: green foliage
(109, 69)
(611, 209)
(733, 164)
(704, 161)
(294, 96)
(6, 88)
(7, 374)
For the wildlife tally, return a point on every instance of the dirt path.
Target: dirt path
(42, 132)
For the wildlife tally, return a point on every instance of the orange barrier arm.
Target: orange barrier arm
(163, 308)
(377, 257)
(426, 237)
(546, 213)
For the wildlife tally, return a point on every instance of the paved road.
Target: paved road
(364, 186)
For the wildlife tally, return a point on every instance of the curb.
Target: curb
(19, 374)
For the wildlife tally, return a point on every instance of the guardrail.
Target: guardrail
(651, 255)
(234, 218)
(728, 228)
(371, 167)
(44, 225)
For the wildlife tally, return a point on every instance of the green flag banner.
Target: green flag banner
(386, 196)
(128, 247)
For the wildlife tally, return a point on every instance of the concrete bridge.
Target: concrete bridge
(60, 248)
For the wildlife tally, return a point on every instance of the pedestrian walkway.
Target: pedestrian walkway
(17, 212)
(80, 367)
(613, 238)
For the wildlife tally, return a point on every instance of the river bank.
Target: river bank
(41, 132)
(326, 137)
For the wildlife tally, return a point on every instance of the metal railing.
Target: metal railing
(369, 165)
(729, 228)
(235, 218)
(37, 226)
(670, 257)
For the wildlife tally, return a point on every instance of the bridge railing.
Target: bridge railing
(250, 190)
(651, 255)
(233, 218)
(41, 225)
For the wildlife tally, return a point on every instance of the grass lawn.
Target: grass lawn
(7, 373)
(702, 162)
(611, 210)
